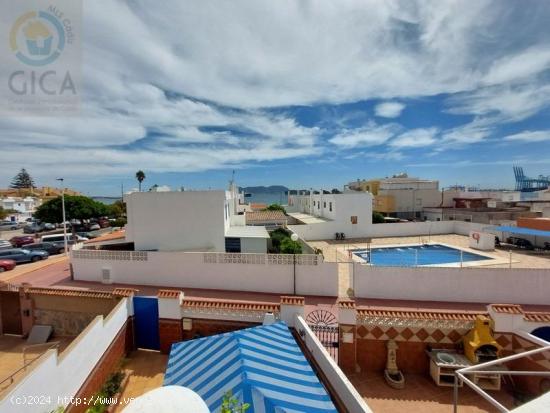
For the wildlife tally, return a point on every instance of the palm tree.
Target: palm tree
(140, 176)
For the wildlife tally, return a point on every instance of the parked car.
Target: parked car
(5, 244)
(103, 222)
(9, 225)
(60, 238)
(20, 255)
(521, 243)
(51, 248)
(21, 240)
(94, 227)
(7, 265)
(33, 228)
(49, 227)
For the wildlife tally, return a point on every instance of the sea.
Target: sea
(107, 200)
(268, 198)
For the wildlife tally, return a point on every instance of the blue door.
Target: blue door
(146, 322)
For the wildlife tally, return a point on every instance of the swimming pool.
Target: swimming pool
(413, 255)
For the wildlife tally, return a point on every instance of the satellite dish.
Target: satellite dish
(168, 399)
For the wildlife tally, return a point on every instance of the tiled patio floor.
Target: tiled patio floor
(148, 373)
(420, 395)
(11, 356)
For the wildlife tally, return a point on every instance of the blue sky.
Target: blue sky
(304, 94)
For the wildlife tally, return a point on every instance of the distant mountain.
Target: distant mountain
(264, 189)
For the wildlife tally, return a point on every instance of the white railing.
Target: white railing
(105, 255)
(346, 392)
(260, 259)
(460, 375)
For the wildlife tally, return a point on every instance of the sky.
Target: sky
(299, 93)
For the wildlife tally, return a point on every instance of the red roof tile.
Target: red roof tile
(258, 206)
(347, 304)
(111, 236)
(231, 305)
(124, 292)
(507, 308)
(69, 293)
(292, 300)
(169, 293)
(420, 314)
(263, 216)
(536, 316)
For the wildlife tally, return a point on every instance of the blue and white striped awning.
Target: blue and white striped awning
(262, 365)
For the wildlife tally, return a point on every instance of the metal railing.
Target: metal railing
(460, 375)
(26, 363)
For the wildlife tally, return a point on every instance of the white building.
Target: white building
(191, 221)
(25, 207)
(400, 196)
(321, 216)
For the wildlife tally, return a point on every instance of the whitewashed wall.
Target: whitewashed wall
(346, 391)
(238, 272)
(54, 377)
(483, 285)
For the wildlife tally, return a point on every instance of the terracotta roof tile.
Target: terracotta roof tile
(262, 216)
(347, 304)
(231, 305)
(169, 293)
(292, 300)
(536, 316)
(420, 314)
(69, 293)
(258, 206)
(111, 236)
(124, 292)
(507, 308)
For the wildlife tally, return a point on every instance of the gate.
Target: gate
(146, 323)
(325, 326)
(10, 311)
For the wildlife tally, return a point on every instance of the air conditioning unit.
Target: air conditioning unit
(106, 276)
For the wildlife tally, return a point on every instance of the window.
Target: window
(324, 204)
(319, 205)
(354, 219)
(330, 206)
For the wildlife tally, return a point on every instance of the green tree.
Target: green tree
(76, 207)
(22, 180)
(275, 207)
(377, 218)
(290, 247)
(3, 213)
(230, 404)
(140, 176)
(117, 209)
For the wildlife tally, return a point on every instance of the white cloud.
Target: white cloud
(369, 135)
(529, 136)
(389, 109)
(415, 138)
(231, 62)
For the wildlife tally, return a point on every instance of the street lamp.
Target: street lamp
(294, 237)
(63, 209)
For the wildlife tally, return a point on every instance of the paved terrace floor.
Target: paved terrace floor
(148, 373)
(57, 275)
(11, 357)
(421, 395)
(338, 250)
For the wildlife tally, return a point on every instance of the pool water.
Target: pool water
(413, 255)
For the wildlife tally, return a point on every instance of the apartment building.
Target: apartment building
(400, 196)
